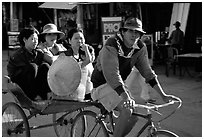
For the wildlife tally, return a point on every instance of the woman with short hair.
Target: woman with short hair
(28, 66)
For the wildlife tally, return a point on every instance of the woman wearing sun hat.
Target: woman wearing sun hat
(116, 59)
(49, 36)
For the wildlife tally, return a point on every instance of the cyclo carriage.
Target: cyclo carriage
(69, 117)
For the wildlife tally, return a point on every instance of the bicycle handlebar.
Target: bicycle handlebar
(155, 107)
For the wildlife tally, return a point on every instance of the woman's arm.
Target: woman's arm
(88, 55)
(49, 59)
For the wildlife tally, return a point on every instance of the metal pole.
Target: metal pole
(55, 17)
(11, 14)
(79, 19)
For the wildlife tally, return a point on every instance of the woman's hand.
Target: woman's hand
(84, 47)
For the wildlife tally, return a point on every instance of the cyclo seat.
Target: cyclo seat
(46, 106)
(22, 99)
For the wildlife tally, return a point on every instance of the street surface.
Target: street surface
(186, 122)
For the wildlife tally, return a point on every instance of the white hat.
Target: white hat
(64, 75)
(52, 28)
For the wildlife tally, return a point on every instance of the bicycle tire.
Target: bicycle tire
(94, 126)
(12, 116)
(63, 127)
(164, 133)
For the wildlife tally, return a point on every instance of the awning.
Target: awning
(59, 5)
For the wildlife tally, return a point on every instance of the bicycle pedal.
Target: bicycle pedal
(109, 128)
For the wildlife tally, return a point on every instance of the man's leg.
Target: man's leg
(125, 121)
(26, 80)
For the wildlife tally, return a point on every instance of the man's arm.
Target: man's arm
(110, 68)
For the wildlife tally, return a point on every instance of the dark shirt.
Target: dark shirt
(177, 37)
(22, 57)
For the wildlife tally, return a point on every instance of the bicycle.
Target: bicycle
(16, 115)
(96, 126)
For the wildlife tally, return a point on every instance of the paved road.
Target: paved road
(186, 122)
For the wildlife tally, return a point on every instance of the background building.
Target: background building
(156, 16)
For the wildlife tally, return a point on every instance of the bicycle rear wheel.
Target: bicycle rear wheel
(94, 127)
(64, 121)
(14, 121)
(164, 133)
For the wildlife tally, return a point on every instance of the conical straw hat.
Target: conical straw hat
(64, 75)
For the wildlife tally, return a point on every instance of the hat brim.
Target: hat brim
(64, 75)
(133, 28)
(61, 34)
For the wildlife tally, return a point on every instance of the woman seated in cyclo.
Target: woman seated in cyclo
(28, 66)
(115, 61)
(49, 37)
(63, 74)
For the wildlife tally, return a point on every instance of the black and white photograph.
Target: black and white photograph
(103, 69)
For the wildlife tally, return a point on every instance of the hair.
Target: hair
(26, 33)
(123, 29)
(72, 31)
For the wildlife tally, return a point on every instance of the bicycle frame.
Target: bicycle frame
(149, 122)
(147, 116)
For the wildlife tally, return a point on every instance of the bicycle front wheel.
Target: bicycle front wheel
(14, 121)
(64, 121)
(94, 126)
(164, 133)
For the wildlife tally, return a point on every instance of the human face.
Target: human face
(131, 37)
(77, 40)
(31, 42)
(51, 38)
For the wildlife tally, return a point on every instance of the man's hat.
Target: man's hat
(177, 23)
(64, 75)
(52, 28)
(133, 24)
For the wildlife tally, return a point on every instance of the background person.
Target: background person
(28, 66)
(176, 38)
(114, 63)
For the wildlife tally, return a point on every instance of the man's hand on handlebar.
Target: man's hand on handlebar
(168, 98)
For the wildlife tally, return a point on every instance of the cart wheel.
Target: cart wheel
(14, 121)
(63, 121)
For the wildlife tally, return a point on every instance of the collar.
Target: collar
(121, 52)
(134, 46)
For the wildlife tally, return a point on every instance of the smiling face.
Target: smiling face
(130, 37)
(51, 38)
(31, 42)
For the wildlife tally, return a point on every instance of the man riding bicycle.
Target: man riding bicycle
(115, 61)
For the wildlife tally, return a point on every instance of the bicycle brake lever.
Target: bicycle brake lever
(155, 109)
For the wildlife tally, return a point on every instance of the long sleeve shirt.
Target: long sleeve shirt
(22, 57)
(177, 37)
(115, 62)
(52, 51)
